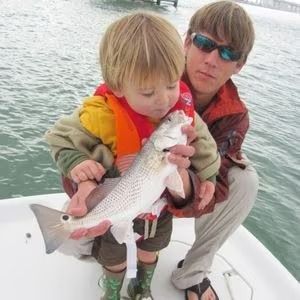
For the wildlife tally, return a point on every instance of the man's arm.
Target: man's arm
(229, 134)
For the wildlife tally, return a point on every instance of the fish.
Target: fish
(121, 200)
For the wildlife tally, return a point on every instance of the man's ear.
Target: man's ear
(239, 66)
(187, 43)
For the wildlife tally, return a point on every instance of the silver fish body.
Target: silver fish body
(135, 192)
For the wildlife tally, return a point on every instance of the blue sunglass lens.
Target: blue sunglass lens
(207, 45)
(228, 54)
(204, 43)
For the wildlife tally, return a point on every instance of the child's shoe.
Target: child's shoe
(139, 287)
(112, 284)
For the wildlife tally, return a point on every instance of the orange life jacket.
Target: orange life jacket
(132, 127)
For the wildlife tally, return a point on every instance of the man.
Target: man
(219, 39)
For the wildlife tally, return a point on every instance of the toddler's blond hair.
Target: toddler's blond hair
(140, 48)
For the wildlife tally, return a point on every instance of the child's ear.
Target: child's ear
(118, 93)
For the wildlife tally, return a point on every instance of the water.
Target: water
(49, 62)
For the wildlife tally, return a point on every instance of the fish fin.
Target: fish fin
(100, 192)
(52, 228)
(122, 231)
(124, 162)
(174, 183)
(156, 208)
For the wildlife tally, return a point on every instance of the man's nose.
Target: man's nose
(212, 57)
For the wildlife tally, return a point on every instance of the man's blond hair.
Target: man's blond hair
(225, 20)
(141, 48)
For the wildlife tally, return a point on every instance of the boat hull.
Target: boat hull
(243, 268)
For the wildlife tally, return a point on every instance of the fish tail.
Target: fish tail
(51, 225)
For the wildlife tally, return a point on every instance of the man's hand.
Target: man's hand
(78, 208)
(91, 232)
(87, 170)
(207, 190)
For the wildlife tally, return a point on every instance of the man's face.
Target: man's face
(207, 72)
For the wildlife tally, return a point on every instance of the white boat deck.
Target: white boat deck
(243, 269)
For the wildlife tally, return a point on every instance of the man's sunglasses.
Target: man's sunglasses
(207, 45)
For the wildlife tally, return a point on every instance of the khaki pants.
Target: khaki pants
(213, 229)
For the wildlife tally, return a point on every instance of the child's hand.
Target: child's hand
(88, 169)
(78, 208)
(207, 190)
(91, 232)
(190, 132)
(180, 154)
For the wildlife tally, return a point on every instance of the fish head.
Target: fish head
(55, 225)
(65, 219)
(169, 133)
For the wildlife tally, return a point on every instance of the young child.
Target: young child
(142, 60)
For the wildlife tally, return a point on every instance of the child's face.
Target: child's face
(154, 101)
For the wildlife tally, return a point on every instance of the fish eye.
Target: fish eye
(65, 217)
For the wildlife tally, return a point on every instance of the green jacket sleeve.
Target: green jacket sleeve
(206, 160)
(70, 143)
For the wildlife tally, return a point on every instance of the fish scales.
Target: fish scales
(135, 193)
(127, 194)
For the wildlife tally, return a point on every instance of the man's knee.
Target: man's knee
(243, 184)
